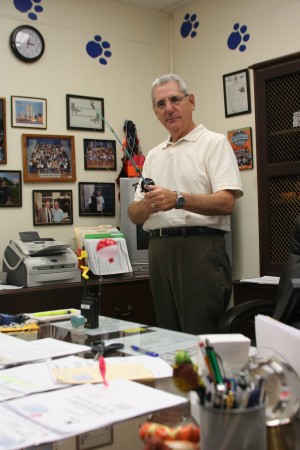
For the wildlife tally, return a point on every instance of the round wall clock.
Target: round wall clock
(27, 43)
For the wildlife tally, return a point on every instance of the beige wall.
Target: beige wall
(140, 51)
(274, 31)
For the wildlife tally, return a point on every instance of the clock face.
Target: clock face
(27, 43)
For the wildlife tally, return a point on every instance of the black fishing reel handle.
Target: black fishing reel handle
(145, 183)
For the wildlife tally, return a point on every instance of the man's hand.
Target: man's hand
(160, 198)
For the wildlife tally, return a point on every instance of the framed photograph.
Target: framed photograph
(99, 154)
(3, 150)
(96, 199)
(28, 112)
(241, 143)
(52, 207)
(48, 158)
(236, 93)
(10, 188)
(85, 113)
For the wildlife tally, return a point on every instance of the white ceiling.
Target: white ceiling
(159, 5)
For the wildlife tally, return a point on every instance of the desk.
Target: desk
(124, 297)
(125, 435)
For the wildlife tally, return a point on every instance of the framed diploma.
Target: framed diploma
(236, 93)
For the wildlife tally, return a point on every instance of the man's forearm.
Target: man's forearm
(139, 212)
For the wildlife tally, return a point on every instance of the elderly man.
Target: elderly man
(187, 213)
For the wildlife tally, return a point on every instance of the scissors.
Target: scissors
(101, 349)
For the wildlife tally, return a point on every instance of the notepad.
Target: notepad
(75, 370)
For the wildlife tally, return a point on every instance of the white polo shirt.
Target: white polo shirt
(202, 162)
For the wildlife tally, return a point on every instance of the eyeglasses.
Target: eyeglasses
(174, 100)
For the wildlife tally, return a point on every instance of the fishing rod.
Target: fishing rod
(146, 182)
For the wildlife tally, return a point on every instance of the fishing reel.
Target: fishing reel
(145, 183)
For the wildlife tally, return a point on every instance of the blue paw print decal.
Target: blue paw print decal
(29, 6)
(189, 26)
(238, 37)
(97, 48)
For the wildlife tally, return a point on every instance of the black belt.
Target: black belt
(184, 231)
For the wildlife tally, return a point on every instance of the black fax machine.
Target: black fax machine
(40, 262)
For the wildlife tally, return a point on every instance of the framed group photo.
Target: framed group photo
(99, 154)
(28, 112)
(236, 93)
(85, 113)
(96, 199)
(48, 158)
(52, 207)
(10, 188)
(241, 143)
(3, 150)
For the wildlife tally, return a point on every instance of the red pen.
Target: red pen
(102, 368)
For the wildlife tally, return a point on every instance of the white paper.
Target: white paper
(17, 432)
(262, 280)
(26, 379)
(15, 351)
(281, 338)
(88, 407)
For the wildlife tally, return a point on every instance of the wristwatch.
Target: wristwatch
(180, 200)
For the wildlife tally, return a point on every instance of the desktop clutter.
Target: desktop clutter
(238, 401)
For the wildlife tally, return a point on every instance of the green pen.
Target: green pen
(214, 364)
(58, 312)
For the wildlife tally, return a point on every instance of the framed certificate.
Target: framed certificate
(236, 93)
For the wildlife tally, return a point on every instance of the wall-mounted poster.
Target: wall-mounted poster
(241, 142)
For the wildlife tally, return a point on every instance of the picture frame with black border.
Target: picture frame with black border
(28, 112)
(96, 199)
(241, 143)
(236, 88)
(85, 113)
(3, 148)
(99, 154)
(48, 158)
(10, 188)
(56, 202)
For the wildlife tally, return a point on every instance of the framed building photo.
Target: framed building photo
(96, 199)
(85, 113)
(236, 93)
(52, 207)
(241, 143)
(48, 158)
(10, 188)
(99, 154)
(28, 112)
(3, 150)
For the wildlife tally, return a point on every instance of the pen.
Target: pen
(138, 349)
(57, 312)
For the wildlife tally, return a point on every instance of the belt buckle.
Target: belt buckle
(160, 233)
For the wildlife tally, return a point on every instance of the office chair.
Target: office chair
(286, 307)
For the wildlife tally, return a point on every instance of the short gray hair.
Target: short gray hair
(164, 79)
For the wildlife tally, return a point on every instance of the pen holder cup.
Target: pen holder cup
(234, 429)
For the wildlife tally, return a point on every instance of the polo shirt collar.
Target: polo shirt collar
(191, 137)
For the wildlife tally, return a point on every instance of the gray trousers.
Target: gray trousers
(190, 280)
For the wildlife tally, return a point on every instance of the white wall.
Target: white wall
(274, 31)
(140, 50)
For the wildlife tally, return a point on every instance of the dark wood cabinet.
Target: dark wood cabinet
(243, 292)
(125, 297)
(277, 123)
